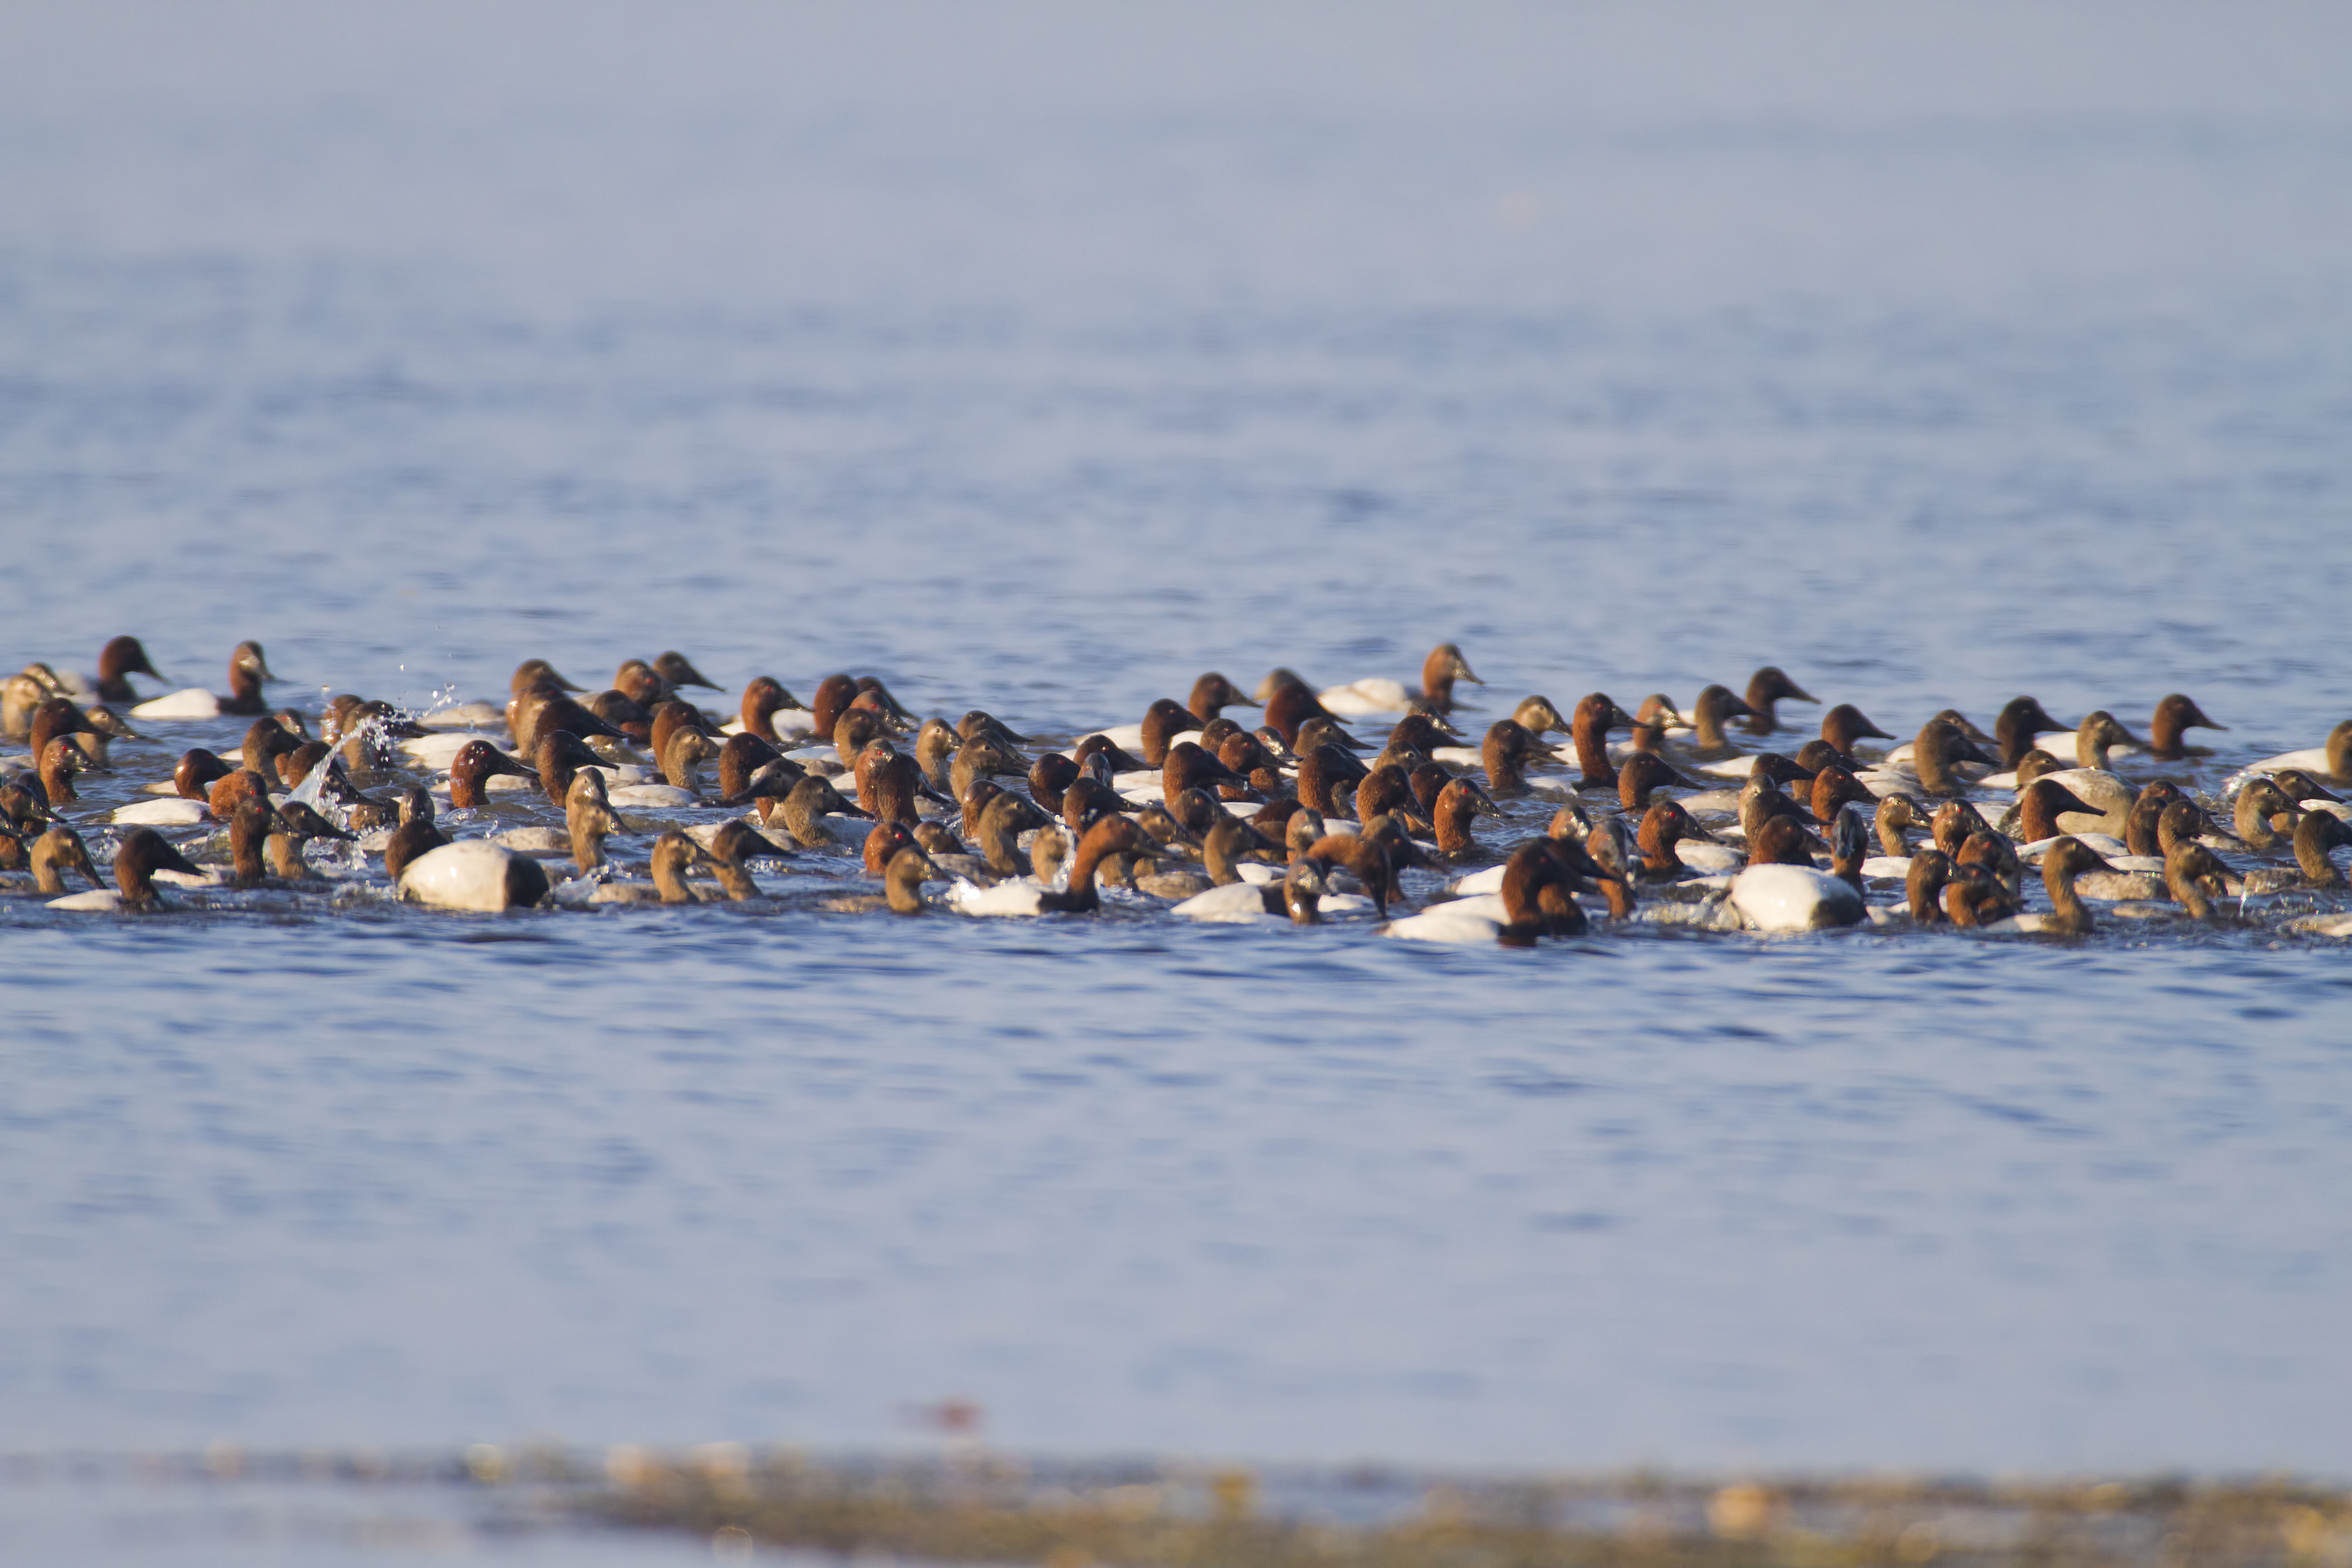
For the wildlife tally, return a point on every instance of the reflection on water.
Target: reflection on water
(1044, 387)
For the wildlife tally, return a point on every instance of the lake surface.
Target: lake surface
(1039, 359)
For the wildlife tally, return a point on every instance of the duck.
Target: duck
(1596, 715)
(1942, 745)
(675, 854)
(903, 876)
(1439, 671)
(2066, 859)
(2195, 876)
(474, 875)
(2042, 803)
(1923, 885)
(541, 710)
(2331, 761)
(2260, 805)
(1109, 835)
(1536, 715)
(1765, 688)
(2174, 715)
(804, 807)
(1213, 693)
(1846, 724)
(56, 852)
(1295, 896)
(1973, 897)
(120, 659)
(1458, 804)
(2100, 730)
(1717, 705)
(1641, 772)
(1506, 753)
(2016, 726)
(1671, 841)
(532, 672)
(764, 696)
(1655, 715)
(248, 669)
(142, 853)
(1995, 855)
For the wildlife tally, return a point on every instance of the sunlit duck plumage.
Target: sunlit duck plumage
(1439, 671)
(141, 853)
(475, 875)
(1844, 725)
(1109, 835)
(2174, 717)
(120, 659)
(1766, 687)
(60, 850)
(2017, 725)
(247, 671)
(1940, 745)
(1596, 715)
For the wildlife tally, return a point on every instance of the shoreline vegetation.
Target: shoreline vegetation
(965, 1503)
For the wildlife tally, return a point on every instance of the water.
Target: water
(1040, 359)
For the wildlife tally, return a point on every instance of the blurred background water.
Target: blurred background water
(1040, 357)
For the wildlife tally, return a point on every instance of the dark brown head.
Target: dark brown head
(560, 755)
(474, 767)
(534, 671)
(1049, 776)
(248, 835)
(1212, 692)
(831, 700)
(1954, 823)
(120, 657)
(59, 762)
(2315, 836)
(1440, 670)
(264, 742)
(142, 853)
(743, 755)
(2140, 825)
(1507, 750)
(1596, 715)
(679, 670)
(1163, 722)
(623, 714)
(642, 684)
(762, 699)
(1420, 733)
(1940, 745)
(55, 718)
(1665, 824)
(1815, 755)
(1923, 885)
(1652, 720)
(1641, 772)
(1833, 789)
(239, 784)
(2040, 804)
(2175, 717)
(2195, 876)
(1780, 841)
(1845, 724)
(854, 732)
(2180, 822)
(2262, 812)
(1289, 706)
(2019, 722)
(1975, 897)
(247, 669)
(1765, 688)
(1717, 705)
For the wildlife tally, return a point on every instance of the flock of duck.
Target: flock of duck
(1712, 816)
